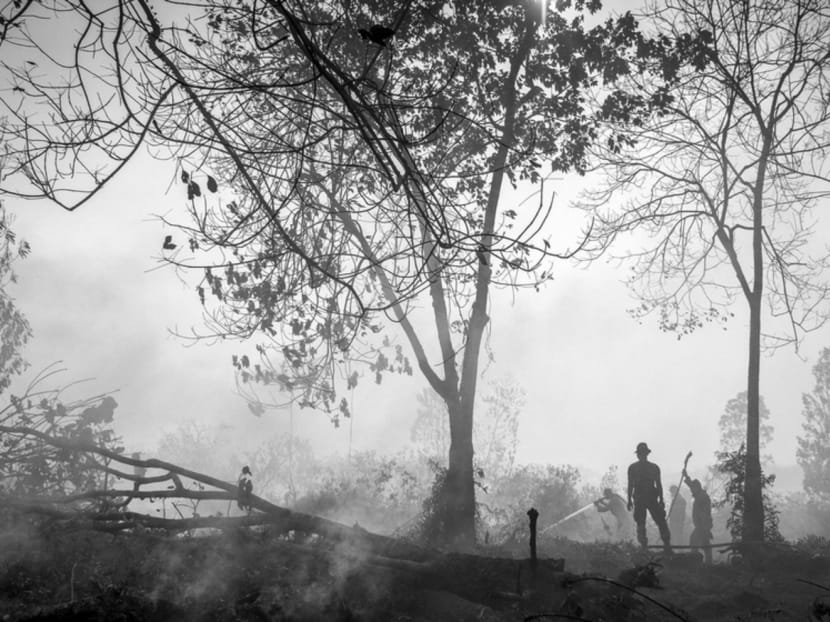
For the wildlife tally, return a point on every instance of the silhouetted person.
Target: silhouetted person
(614, 503)
(701, 519)
(677, 515)
(646, 489)
(246, 487)
(376, 34)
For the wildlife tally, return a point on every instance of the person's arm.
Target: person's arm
(658, 484)
(630, 486)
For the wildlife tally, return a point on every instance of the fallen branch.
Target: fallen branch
(128, 520)
(181, 493)
(818, 585)
(284, 520)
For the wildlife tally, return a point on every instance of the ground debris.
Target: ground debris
(259, 574)
(644, 575)
(111, 604)
(820, 610)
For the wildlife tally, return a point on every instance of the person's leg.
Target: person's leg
(640, 519)
(658, 515)
(694, 540)
(707, 552)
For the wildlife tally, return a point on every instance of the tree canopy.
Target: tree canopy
(732, 424)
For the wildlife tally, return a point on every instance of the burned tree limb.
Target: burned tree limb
(131, 493)
(129, 520)
(281, 519)
(83, 447)
(137, 479)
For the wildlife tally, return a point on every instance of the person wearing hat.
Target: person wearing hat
(246, 488)
(646, 491)
(701, 518)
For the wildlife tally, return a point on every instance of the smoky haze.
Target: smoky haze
(597, 381)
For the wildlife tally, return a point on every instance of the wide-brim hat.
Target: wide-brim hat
(642, 448)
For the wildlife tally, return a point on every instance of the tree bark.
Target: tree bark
(753, 518)
(459, 489)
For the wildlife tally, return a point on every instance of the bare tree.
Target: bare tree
(724, 184)
(359, 170)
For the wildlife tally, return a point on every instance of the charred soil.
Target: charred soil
(261, 574)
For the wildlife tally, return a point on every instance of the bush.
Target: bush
(733, 465)
(552, 490)
(31, 465)
(378, 493)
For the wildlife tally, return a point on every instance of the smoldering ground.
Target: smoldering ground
(247, 574)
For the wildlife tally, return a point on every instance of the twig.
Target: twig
(563, 616)
(818, 585)
(696, 546)
(72, 583)
(631, 589)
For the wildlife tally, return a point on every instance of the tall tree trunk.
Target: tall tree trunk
(753, 494)
(459, 490)
(753, 517)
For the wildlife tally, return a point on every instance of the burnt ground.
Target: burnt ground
(256, 574)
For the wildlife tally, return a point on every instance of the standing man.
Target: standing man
(701, 519)
(614, 503)
(646, 490)
(677, 515)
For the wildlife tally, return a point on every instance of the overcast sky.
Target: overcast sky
(597, 382)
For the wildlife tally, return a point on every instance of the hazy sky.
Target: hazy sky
(597, 382)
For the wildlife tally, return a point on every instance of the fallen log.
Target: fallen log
(281, 519)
